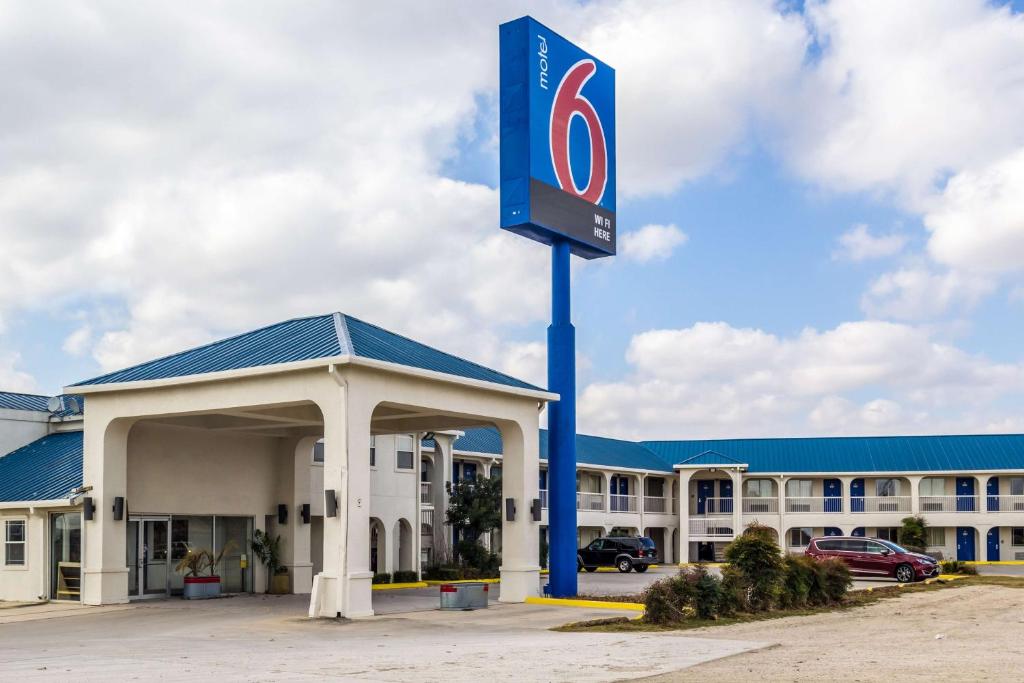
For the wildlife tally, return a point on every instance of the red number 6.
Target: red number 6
(568, 103)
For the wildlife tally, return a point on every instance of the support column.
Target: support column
(294, 492)
(915, 494)
(105, 469)
(439, 480)
(737, 502)
(782, 513)
(607, 492)
(561, 428)
(520, 540)
(683, 505)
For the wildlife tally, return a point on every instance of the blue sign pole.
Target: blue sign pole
(562, 429)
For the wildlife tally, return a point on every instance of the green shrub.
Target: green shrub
(693, 592)
(835, 579)
(405, 576)
(800, 577)
(382, 577)
(757, 557)
(913, 534)
(734, 591)
(957, 567)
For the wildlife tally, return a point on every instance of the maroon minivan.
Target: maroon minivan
(874, 557)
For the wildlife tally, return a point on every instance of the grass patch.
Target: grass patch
(859, 598)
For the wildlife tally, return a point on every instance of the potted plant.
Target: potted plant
(194, 565)
(267, 549)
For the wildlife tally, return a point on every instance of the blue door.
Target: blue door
(833, 496)
(725, 493)
(857, 496)
(469, 470)
(859, 531)
(619, 487)
(992, 553)
(833, 531)
(992, 489)
(965, 543)
(965, 494)
(705, 490)
(543, 480)
(455, 471)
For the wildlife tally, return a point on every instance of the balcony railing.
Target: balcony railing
(880, 504)
(425, 498)
(621, 503)
(591, 502)
(1005, 503)
(755, 506)
(544, 499)
(717, 527)
(656, 504)
(718, 506)
(951, 504)
(814, 504)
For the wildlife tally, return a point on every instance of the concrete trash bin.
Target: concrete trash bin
(464, 596)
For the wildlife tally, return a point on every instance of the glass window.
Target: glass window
(318, 451)
(935, 536)
(852, 546)
(888, 533)
(830, 545)
(373, 451)
(1018, 536)
(1017, 486)
(758, 488)
(933, 486)
(404, 454)
(800, 537)
(14, 542)
(887, 487)
(873, 547)
(798, 488)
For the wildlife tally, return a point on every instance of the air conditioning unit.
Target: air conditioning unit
(931, 507)
(800, 507)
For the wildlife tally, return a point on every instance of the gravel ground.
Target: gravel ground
(968, 633)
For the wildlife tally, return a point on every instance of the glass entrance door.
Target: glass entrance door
(66, 556)
(148, 553)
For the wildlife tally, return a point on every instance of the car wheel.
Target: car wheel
(625, 565)
(905, 573)
(591, 570)
(640, 568)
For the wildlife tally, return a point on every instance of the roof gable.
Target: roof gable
(709, 457)
(317, 337)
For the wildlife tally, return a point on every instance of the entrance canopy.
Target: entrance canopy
(177, 420)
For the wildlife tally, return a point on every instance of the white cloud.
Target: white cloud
(715, 380)
(12, 377)
(651, 243)
(977, 223)
(918, 293)
(77, 343)
(905, 92)
(858, 244)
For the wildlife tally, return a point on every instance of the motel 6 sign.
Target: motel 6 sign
(557, 140)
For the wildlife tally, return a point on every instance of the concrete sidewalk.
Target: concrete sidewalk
(269, 638)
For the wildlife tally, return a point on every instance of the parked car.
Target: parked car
(622, 552)
(874, 557)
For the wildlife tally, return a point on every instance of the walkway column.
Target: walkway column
(683, 504)
(520, 482)
(439, 479)
(737, 502)
(915, 494)
(105, 469)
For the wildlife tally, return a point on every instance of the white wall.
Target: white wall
(20, 427)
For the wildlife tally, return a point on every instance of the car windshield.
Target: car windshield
(892, 546)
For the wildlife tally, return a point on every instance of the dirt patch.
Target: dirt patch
(974, 631)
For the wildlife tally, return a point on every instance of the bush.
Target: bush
(835, 579)
(382, 577)
(405, 576)
(693, 592)
(757, 557)
(436, 573)
(957, 567)
(734, 591)
(800, 578)
(913, 534)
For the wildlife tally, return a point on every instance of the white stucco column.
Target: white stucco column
(440, 477)
(520, 539)
(915, 494)
(737, 501)
(847, 504)
(783, 541)
(294, 491)
(607, 493)
(105, 469)
(683, 504)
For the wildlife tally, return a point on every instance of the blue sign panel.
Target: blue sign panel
(557, 140)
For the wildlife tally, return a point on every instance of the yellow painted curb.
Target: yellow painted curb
(610, 570)
(592, 604)
(432, 582)
(1007, 562)
(398, 586)
(681, 565)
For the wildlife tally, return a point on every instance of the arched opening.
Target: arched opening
(378, 545)
(403, 537)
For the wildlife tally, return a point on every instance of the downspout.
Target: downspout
(343, 383)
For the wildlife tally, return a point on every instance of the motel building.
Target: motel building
(340, 437)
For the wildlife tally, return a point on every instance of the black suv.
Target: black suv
(623, 552)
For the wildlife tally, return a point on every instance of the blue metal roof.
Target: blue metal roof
(859, 453)
(710, 458)
(323, 336)
(46, 469)
(11, 400)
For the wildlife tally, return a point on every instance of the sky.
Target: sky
(820, 204)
